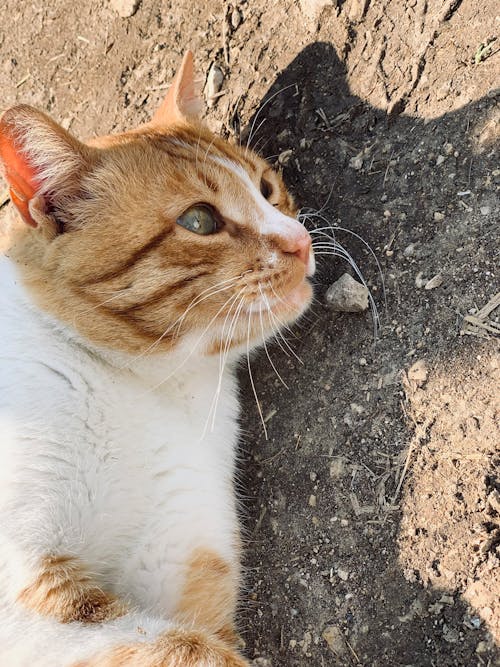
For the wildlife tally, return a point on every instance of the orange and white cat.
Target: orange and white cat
(141, 267)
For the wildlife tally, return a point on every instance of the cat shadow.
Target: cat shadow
(326, 578)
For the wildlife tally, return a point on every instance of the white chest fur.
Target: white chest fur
(111, 464)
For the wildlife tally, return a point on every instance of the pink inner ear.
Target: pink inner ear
(21, 176)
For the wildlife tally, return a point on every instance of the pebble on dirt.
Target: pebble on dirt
(346, 295)
(125, 8)
(214, 84)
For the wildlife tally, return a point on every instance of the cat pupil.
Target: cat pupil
(265, 188)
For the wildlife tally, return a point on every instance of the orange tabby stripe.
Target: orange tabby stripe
(174, 649)
(65, 591)
(209, 594)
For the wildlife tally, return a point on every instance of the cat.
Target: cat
(141, 266)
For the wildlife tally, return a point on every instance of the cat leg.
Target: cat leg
(133, 640)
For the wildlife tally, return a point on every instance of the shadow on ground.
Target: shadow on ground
(355, 495)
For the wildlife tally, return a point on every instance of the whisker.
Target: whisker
(278, 327)
(197, 342)
(212, 290)
(265, 346)
(251, 379)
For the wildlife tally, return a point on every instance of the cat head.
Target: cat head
(157, 236)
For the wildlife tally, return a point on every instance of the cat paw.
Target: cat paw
(173, 649)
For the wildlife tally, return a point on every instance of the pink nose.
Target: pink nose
(298, 245)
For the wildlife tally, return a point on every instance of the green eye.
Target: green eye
(198, 219)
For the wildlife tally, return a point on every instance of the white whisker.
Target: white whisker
(251, 379)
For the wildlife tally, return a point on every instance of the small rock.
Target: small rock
(362, 361)
(387, 213)
(494, 501)
(125, 8)
(312, 500)
(448, 149)
(346, 295)
(214, 84)
(482, 647)
(284, 157)
(434, 282)
(337, 467)
(418, 372)
(447, 599)
(313, 8)
(335, 640)
(356, 162)
(440, 159)
(420, 281)
(236, 18)
(438, 216)
(485, 210)
(409, 250)
(343, 574)
(450, 635)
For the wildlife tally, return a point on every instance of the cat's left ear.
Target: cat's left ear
(183, 101)
(41, 162)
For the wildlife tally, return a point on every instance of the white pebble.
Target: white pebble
(438, 216)
(214, 84)
(125, 8)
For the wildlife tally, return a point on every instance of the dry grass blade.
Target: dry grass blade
(479, 324)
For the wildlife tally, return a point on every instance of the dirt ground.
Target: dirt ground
(372, 511)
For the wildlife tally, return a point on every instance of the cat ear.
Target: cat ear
(183, 100)
(42, 163)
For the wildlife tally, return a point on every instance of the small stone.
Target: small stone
(343, 574)
(418, 372)
(312, 500)
(434, 282)
(440, 159)
(494, 501)
(284, 156)
(344, 522)
(409, 250)
(448, 149)
(387, 213)
(356, 162)
(313, 8)
(337, 467)
(384, 197)
(346, 295)
(447, 599)
(335, 640)
(482, 647)
(450, 635)
(485, 210)
(215, 79)
(438, 216)
(313, 476)
(292, 643)
(362, 361)
(420, 281)
(125, 8)
(236, 18)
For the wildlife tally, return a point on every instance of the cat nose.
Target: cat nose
(298, 245)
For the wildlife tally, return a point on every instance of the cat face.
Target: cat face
(160, 236)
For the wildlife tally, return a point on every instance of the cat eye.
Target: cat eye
(199, 219)
(266, 189)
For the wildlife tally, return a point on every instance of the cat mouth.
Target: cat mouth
(290, 304)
